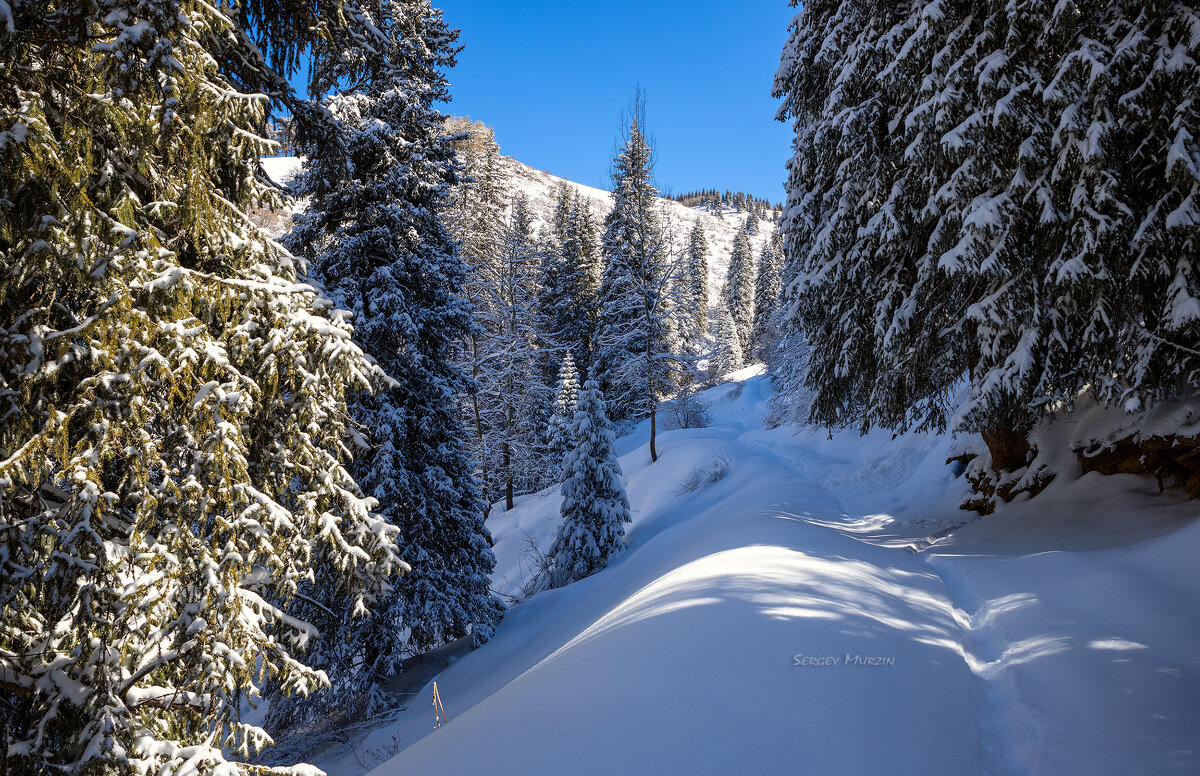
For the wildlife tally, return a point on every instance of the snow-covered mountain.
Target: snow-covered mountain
(794, 603)
(540, 188)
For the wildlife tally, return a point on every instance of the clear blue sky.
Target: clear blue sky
(552, 77)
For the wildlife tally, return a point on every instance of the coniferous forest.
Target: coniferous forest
(254, 481)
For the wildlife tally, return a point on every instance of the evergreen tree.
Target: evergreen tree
(695, 282)
(174, 425)
(569, 285)
(595, 507)
(636, 343)
(768, 286)
(559, 430)
(509, 389)
(564, 198)
(727, 346)
(1005, 192)
(476, 215)
(374, 235)
(739, 288)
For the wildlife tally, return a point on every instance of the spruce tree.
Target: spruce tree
(739, 288)
(1005, 192)
(727, 346)
(569, 284)
(594, 507)
(637, 348)
(695, 281)
(768, 285)
(375, 237)
(559, 442)
(174, 434)
(509, 393)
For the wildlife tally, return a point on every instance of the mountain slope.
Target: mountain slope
(540, 188)
(718, 643)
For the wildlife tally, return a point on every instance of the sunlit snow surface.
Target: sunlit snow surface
(1056, 637)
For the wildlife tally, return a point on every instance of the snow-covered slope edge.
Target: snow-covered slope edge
(718, 643)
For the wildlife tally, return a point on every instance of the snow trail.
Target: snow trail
(780, 620)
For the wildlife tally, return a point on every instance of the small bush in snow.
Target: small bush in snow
(702, 478)
(686, 411)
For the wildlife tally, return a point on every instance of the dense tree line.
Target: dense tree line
(1003, 194)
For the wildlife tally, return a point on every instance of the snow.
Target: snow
(540, 187)
(824, 607)
(720, 231)
(281, 169)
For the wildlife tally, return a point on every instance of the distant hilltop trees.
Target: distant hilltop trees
(730, 200)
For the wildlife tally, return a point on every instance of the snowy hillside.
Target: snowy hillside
(721, 230)
(540, 188)
(794, 603)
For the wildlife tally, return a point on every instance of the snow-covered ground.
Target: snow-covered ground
(822, 609)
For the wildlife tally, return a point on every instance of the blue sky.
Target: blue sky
(552, 77)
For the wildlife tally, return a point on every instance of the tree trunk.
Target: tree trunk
(653, 435)
(508, 478)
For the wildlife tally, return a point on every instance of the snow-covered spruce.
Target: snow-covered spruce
(595, 507)
(570, 281)
(637, 345)
(506, 410)
(1007, 192)
(738, 290)
(559, 439)
(727, 353)
(768, 286)
(172, 416)
(694, 289)
(374, 236)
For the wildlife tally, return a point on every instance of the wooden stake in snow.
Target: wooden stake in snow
(439, 713)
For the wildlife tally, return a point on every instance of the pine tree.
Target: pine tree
(477, 213)
(727, 346)
(174, 425)
(739, 288)
(564, 198)
(561, 420)
(569, 285)
(375, 237)
(768, 286)
(637, 347)
(1002, 191)
(695, 291)
(509, 389)
(595, 507)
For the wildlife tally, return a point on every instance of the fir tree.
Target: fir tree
(174, 427)
(595, 507)
(375, 237)
(727, 346)
(569, 285)
(559, 430)
(695, 282)
(637, 344)
(509, 390)
(768, 285)
(1005, 192)
(739, 288)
